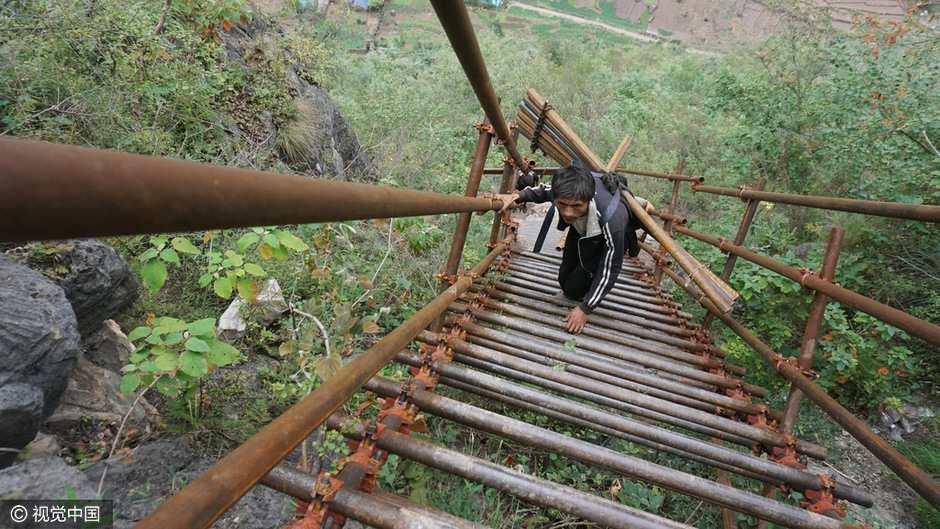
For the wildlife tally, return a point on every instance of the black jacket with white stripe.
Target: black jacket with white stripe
(600, 248)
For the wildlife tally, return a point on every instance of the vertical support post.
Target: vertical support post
(738, 241)
(463, 220)
(813, 325)
(810, 339)
(510, 174)
(504, 187)
(667, 224)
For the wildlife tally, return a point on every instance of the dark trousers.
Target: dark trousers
(575, 281)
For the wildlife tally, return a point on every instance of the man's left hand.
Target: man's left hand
(575, 320)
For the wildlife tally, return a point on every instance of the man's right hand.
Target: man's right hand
(507, 200)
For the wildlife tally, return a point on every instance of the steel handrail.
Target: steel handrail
(50, 191)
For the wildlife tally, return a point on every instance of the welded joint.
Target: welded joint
(787, 455)
(423, 375)
(808, 373)
(317, 512)
(401, 407)
(438, 352)
(822, 501)
(721, 245)
(806, 272)
(487, 196)
(703, 337)
(452, 279)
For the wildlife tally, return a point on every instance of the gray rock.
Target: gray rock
(94, 392)
(44, 445)
(100, 285)
(38, 333)
(802, 250)
(142, 480)
(323, 143)
(333, 145)
(20, 413)
(46, 478)
(108, 347)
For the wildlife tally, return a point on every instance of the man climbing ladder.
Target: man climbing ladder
(593, 253)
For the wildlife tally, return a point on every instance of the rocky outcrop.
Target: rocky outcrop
(38, 338)
(108, 347)
(99, 285)
(94, 393)
(317, 140)
(20, 415)
(45, 478)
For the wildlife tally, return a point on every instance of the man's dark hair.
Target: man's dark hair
(573, 182)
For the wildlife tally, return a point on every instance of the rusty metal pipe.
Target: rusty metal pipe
(477, 376)
(378, 508)
(659, 439)
(668, 176)
(739, 238)
(505, 289)
(668, 354)
(921, 212)
(205, 499)
(456, 23)
(618, 397)
(590, 366)
(922, 484)
(50, 191)
(817, 311)
(915, 326)
(605, 458)
(562, 307)
(604, 347)
(524, 486)
(674, 320)
(646, 295)
(716, 290)
(678, 220)
(473, 186)
(463, 220)
(557, 260)
(521, 278)
(499, 219)
(623, 282)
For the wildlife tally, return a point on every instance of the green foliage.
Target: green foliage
(640, 496)
(171, 353)
(100, 76)
(418, 233)
(208, 16)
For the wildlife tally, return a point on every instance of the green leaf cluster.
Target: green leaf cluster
(171, 353)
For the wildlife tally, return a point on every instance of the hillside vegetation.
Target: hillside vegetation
(815, 110)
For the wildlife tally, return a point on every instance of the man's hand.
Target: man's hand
(575, 320)
(507, 200)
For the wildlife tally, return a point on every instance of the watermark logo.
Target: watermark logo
(56, 514)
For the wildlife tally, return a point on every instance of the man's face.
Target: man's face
(571, 209)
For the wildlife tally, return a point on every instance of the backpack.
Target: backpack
(613, 183)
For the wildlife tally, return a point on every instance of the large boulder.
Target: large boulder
(94, 393)
(317, 140)
(20, 414)
(100, 284)
(45, 478)
(108, 347)
(38, 336)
